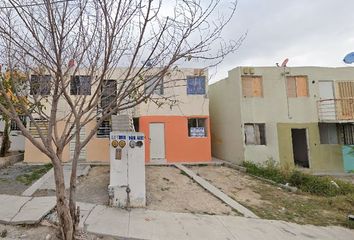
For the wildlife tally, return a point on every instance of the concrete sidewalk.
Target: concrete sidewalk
(24, 210)
(158, 225)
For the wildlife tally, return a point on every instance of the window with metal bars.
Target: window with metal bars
(14, 126)
(346, 133)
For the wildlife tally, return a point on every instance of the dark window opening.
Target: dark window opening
(328, 133)
(346, 133)
(40, 85)
(80, 85)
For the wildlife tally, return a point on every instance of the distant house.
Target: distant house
(296, 116)
(176, 128)
(16, 137)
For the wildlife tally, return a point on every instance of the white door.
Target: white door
(82, 155)
(327, 104)
(157, 141)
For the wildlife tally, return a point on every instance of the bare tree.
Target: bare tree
(57, 43)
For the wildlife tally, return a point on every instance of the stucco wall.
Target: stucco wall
(273, 108)
(179, 147)
(322, 157)
(225, 119)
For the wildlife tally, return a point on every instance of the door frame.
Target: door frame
(163, 160)
(307, 144)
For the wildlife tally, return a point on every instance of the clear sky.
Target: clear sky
(308, 32)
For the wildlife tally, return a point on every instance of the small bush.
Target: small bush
(269, 172)
(322, 186)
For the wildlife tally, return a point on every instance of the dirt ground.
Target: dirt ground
(271, 202)
(170, 190)
(8, 175)
(40, 233)
(167, 189)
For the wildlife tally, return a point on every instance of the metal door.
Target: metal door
(157, 141)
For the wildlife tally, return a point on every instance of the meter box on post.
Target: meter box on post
(127, 170)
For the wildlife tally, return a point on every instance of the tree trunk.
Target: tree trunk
(66, 220)
(6, 143)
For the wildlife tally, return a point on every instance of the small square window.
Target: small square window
(197, 127)
(154, 85)
(40, 85)
(255, 134)
(252, 86)
(297, 86)
(80, 85)
(195, 85)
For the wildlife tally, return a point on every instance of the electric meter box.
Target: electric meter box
(127, 170)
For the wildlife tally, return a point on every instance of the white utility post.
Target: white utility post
(127, 173)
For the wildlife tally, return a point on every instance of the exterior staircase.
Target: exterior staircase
(123, 122)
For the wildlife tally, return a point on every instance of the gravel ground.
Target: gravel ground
(8, 182)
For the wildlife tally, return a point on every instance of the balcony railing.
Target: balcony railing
(332, 110)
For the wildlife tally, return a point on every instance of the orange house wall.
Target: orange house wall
(178, 146)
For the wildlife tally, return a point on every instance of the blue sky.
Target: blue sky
(309, 33)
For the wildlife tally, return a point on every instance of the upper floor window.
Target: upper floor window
(252, 86)
(40, 85)
(154, 85)
(255, 134)
(109, 94)
(195, 85)
(297, 86)
(80, 85)
(197, 127)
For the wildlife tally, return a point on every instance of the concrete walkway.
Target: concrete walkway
(159, 225)
(217, 193)
(24, 210)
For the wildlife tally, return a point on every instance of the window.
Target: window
(104, 129)
(328, 133)
(252, 86)
(297, 86)
(197, 127)
(195, 85)
(109, 94)
(80, 85)
(40, 85)
(154, 85)
(346, 133)
(255, 134)
(14, 126)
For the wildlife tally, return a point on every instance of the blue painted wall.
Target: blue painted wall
(348, 157)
